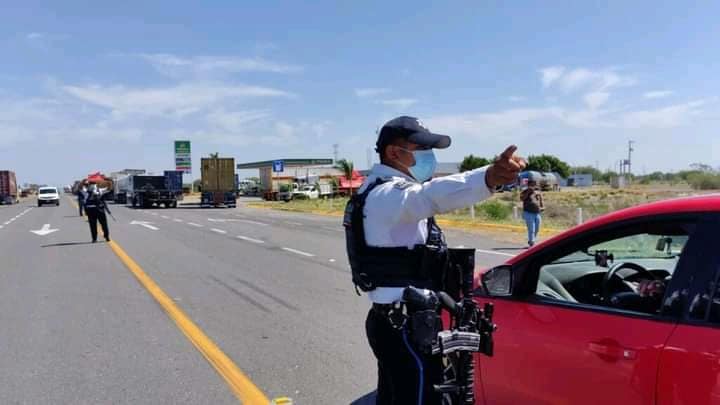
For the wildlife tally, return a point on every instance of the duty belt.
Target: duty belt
(395, 313)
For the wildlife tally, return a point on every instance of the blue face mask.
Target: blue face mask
(424, 166)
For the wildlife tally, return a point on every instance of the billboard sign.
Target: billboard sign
(183, 159)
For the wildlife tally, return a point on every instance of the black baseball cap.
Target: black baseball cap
(412, 130)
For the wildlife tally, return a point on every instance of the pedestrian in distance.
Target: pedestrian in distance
(533, 206)
(81, 197)
(393, 242)
(95, 208)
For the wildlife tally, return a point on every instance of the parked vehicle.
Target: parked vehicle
(8, 187)
(622, 309)
(48, 196)
(121, 189)
(174, 182)
(545, 180)
(217, 179)
(147, 191)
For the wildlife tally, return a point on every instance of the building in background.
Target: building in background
(580, 180)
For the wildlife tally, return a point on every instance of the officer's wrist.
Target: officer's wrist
(493, 189)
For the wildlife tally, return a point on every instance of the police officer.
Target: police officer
(81, 196)
(95, 209)
(393, 242)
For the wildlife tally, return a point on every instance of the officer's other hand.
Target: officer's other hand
(505, 169)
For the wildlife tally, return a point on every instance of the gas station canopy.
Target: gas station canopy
(286, 162)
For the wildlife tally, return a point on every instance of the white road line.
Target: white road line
(218, 230)
(293, 223)
(154, 213)
(332, 260)
(177, 220)
(298, 252)
(164, 217)
(492, 252)
(7, 223)
(332, 229)
(253, 240)
(253, 222)
(194, 224)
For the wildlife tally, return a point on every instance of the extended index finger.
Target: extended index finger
(509, 152)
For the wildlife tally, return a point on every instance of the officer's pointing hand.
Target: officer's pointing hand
(505, 169)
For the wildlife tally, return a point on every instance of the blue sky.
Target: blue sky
(106, 87)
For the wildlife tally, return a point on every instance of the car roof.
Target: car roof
(694, 204)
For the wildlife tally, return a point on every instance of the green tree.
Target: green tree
(596, 174)
(346, 167)
(471, 162)
(548, 163)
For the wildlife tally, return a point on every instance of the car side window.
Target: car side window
(628, 271)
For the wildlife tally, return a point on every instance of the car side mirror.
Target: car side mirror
(663, 244)
(497, 282)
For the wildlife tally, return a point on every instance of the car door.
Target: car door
(689, 371)
(554, 351)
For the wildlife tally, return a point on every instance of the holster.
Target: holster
(424, 327)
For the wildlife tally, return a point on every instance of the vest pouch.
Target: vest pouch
(424, 327)
(433, 265)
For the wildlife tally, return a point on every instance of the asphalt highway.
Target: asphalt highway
(267, 292)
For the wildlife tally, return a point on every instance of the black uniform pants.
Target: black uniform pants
(405, 376)
(94, 215)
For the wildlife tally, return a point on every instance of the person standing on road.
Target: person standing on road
(95, 208)
(81, 196)
(533, 205)
(394, 242)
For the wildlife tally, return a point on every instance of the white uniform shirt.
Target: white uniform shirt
(396, 212)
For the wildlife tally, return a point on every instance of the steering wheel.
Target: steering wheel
(612, 272)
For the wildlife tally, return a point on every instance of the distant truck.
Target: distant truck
(217, 182)
(8, 187)
(545, 180)
(146, 191)
(174, 182)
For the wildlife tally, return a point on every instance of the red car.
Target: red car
(621, 310)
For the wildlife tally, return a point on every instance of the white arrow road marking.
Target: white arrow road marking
(145, 224)
(298, 252)
(253, 240)
(45, 230)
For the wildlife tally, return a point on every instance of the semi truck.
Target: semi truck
(174, 182)
(217, 182)
(8, 187)
(146, 191)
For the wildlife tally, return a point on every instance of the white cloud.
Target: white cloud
(491, 123)
(178, 100)
(551, 74)
(583, 79)
(177, 66)
(34, 35)
(658, 94)
(400, 103)
(665, 117)
(596, 99)
(517, 98)
(371, 92)
(235, 120)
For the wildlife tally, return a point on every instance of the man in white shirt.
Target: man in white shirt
(394, 242)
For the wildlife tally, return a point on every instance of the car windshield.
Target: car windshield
(642, 246)
(48, 191)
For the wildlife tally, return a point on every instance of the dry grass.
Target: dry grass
(497, 213)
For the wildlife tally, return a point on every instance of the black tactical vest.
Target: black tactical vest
(423, 266)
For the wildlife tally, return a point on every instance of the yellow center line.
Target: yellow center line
(243, 388)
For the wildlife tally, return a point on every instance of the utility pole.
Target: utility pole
(629, 161)
(335, 152)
